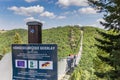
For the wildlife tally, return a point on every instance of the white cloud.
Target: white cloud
(32, 10)
(61, 17)
(48, 14)
(100, 20)
(30, 1)
(66, 13)
(31, 19)
(27, 11)
(94, 25)
(67, 3)
(73, 12)
(79, 24)
(87, 10)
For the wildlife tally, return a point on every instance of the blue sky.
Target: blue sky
(52, 13)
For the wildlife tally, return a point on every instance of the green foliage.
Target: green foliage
(4, 51)
(100, 58)
(111, 10)
(60, 36)
(113, 52)
(6, 38)
(76, 75)
(96, 61)
(17, 39)
(86, 66)
(63, 37)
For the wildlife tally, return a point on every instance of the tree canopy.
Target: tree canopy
(17, 39)
(111, 9)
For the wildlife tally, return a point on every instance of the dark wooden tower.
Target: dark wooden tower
(34, 32)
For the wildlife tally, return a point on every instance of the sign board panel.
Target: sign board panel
(34, 61)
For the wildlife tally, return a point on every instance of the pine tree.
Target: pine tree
(17, 39)
(110, 45)
(111, 8)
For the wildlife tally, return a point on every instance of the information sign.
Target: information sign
(34, 61)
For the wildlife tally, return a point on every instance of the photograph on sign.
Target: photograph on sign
(32, 64)
(21, 63)
(46, 65)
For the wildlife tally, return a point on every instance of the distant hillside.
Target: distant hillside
(6, 38)
(67, 38)
(3, 31)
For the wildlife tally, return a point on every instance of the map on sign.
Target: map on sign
(34, 61)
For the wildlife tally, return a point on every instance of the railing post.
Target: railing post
(34, 32)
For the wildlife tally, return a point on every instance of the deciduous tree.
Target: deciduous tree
(17, 39)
